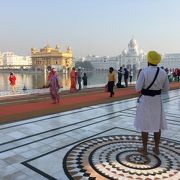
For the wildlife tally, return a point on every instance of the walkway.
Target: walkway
(15, 108)
(94, 142)
(24, 107)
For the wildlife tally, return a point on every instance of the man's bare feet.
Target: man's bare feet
(142, 151)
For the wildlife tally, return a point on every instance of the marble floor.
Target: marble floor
(96, 142)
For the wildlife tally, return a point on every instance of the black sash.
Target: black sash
(148, 92)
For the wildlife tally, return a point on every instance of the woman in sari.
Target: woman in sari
(54, 87)
(73, 77)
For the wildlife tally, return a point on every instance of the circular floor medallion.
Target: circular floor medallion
(116, 157)
(136, 160)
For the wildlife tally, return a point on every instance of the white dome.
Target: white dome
(133, 42)
(133, 47)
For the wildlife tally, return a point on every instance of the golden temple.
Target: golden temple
(52, 57)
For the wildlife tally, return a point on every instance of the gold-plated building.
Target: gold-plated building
(52, 57)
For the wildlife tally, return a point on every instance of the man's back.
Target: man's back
(147, 75)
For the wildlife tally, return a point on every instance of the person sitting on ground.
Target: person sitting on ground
(150, 115)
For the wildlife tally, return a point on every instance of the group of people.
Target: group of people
(54, 84)
(76, 77)
(127, 73)
(112, 78)
(152, 80)
(173, 74)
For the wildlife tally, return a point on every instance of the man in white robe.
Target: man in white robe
(150, 115)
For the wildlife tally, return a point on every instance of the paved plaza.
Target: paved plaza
(92, 143)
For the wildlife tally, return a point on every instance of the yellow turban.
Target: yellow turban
(153, 57)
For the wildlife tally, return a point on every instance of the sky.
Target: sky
(90, 27)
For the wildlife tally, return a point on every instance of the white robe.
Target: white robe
(150, 115)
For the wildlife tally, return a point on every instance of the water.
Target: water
(35, 81)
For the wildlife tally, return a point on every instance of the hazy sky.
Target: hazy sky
(100, 27)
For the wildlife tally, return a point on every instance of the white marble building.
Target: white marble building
(170, 60)
(9, 58)
(128, 58)
(132, 57)
(102, 62)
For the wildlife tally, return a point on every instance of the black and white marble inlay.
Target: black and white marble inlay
(116, 157)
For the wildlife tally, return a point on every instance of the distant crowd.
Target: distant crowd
(77, 77)
(79, 80)
(173, 74)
